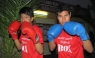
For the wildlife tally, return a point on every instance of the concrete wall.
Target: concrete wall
(45, 21)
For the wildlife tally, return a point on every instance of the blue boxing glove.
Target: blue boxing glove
(54, 31)
(75, 28)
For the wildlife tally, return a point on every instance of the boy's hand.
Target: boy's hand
(27, 28)
(13, 28)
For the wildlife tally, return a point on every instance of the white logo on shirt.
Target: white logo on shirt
(64, 48)
(24, 48)
(24, 44)
(65, 38)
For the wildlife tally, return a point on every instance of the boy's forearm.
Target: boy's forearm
(52, 45)
(88, 46)
(39, 47)
(18, 44)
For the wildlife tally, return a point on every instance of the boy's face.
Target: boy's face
(25, 17)
(63, 17)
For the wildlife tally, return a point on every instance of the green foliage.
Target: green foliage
(8, 12)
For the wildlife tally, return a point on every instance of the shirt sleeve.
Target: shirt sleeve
(39, 33)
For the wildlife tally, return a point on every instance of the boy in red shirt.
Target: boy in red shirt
(69, 42)
(31, 39)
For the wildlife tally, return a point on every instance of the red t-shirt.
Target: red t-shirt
(69, 46)
(28, 47)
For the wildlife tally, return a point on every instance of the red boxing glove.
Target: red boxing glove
(12, 29)
(28, 29)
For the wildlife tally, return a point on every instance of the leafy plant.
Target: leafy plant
(8, 12)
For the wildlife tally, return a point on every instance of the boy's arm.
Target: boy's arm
(88, 46)
(12, 29)
(54, 32)
(52, 45)
(75, 28)
(18, 44)
(33, 33)
(39, 46)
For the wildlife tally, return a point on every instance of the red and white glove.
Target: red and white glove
(13, 28)
(28, 29)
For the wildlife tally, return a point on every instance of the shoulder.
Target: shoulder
(36, 27)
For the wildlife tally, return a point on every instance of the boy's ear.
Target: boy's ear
(70, 14)
(32, 18)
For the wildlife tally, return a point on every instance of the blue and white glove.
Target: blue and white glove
(75, 28)
(54, 32)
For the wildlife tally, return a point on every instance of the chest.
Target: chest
(67, 39)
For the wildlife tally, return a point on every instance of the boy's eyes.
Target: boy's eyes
(59, 16)
(63, 15)
(24, 17)
(66, 14)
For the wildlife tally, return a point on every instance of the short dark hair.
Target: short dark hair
(26, 10)
(63, 7)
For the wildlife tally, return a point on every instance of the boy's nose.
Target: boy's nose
(63, 19)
